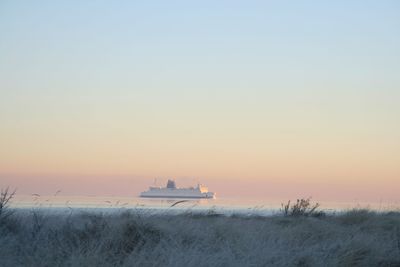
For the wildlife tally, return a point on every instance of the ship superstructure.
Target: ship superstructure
(172, 191)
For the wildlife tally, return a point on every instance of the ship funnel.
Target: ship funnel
(171, 184)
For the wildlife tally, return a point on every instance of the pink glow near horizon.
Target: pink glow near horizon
(267, 189)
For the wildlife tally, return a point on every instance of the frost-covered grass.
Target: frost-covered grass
(131, 238)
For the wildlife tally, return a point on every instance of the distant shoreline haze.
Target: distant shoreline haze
(127, 186)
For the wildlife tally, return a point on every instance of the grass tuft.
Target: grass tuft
(302, 207)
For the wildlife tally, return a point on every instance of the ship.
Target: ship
(171, 191)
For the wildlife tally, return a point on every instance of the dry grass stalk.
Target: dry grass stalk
(5, 199)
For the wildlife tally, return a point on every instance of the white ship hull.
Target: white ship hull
(176, 193)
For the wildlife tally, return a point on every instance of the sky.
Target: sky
(252, 98)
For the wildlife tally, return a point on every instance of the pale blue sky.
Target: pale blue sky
(228, 54)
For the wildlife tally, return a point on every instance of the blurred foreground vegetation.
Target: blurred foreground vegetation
(133, 238)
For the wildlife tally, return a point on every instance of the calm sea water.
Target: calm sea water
(224, 205)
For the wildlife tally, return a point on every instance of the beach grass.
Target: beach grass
(356, 237)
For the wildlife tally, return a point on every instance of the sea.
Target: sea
(220, 205)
